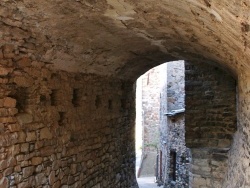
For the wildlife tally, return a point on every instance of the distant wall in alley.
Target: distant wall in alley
(151, 87)
(172, 168)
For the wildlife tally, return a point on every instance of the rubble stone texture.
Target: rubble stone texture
(151, 87)
(64, 129)
(210, 122)
(173, 172)
(45, 45)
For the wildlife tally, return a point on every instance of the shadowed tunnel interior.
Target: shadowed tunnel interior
(67, 73)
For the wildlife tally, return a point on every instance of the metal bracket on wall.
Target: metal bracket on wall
(175, 112)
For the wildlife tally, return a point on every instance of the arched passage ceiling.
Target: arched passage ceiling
(126, 37)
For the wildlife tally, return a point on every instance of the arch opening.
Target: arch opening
(66, 74)
(189, 113)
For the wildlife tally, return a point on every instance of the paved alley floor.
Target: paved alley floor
(144, 182)
(147, 182)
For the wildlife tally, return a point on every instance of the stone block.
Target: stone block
(18, 168)
(9, 102)
(8, 171)
(52, 178)
(5, 71)
(24, 118)
(1, 54)
(205, 169)
(20, 157)
(36, 161)
(3, 164)
(24, 163)
(219, 157)
(8, 139)
(14, 149)
(11, 162)
(31, 136)
(46, 151)
(199, 181)
(1, 102)
(225, 143)
(71, 180)
(12, 111)
(2, 127)
(41, 179)
(215, 163)
(8, 119)
(8, 51)
(45, 133)
(37, 64)
(90, 164)
(4, 80)
(24, 62)
(24, 184)
(56, 165)
(73, 169)
(23, 81)
(28, 171)
(4, 182)
(21, 137)
(25, 147)
(39, 168)
(14, 127)
(56, 184)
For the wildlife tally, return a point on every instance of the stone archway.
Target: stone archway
(77, 62)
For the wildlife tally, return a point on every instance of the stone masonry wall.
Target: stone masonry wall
(173, 128)
(210, 122)
(163, 153)
(151, 87)
(61, 129)
(238, 174)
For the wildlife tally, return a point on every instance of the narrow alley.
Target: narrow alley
(68, 109)
(147, 182)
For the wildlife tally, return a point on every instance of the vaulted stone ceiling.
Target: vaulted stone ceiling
(126, 37)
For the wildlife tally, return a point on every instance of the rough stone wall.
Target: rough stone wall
(151, 87)
(175, 85)
(238, 174)
(173, 128)
(210, 122)
(59, 129)
(163, 152)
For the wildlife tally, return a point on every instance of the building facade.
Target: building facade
(173, 156)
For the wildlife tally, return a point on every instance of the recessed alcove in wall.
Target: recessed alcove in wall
(110, 104)
(62, 118)
(76, 97)
(20, 95)
(54, 97)
(98, 101)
